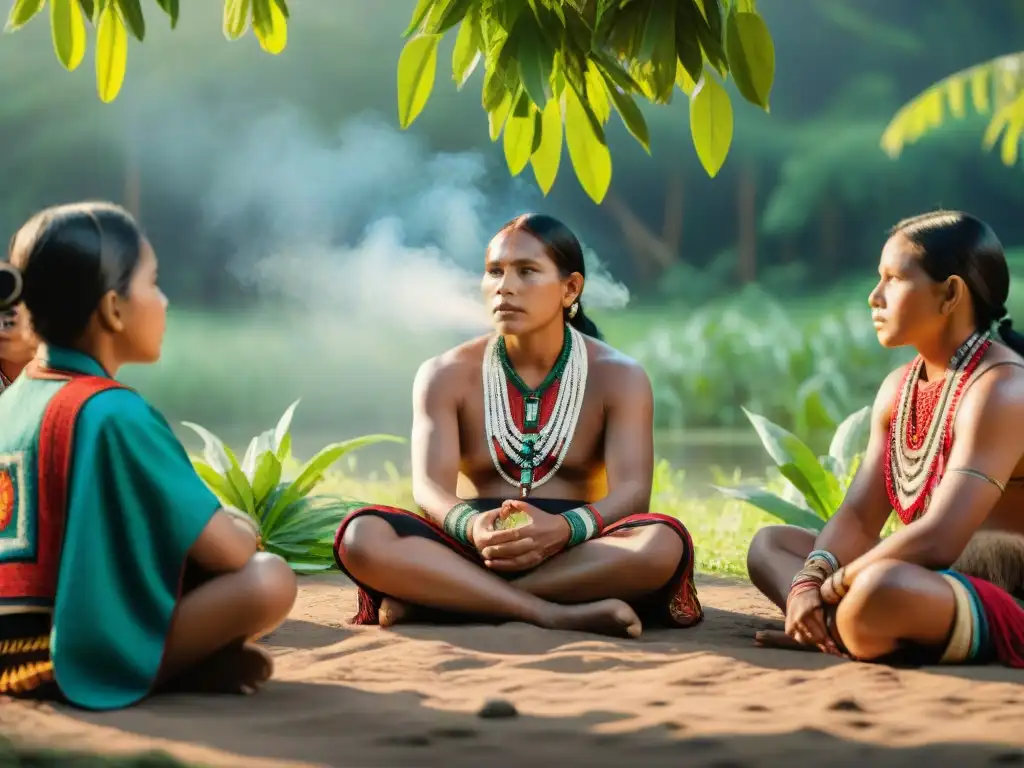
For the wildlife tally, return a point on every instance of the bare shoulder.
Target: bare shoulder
(885, 400)
(621, 374)
(452, 368)
(998, 388)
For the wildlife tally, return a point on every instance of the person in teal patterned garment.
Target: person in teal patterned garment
(121, 575)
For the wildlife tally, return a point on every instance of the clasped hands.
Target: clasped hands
(805, 613)
(521, 548)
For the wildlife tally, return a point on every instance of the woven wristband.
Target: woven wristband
(584, 524)
(830, 561)
(457, 521)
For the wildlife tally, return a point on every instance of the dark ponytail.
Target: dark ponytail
(63, 261)
(956, 243)
(565, 250)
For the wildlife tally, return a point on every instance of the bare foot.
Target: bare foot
(603, 617)
(239, 668)
(392, 612)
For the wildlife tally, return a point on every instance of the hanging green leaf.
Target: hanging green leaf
(631, 116)
(658, 50)
(710, 31)
(751, 54)
(89, 10)
(423, 8)
(466, 54)
(547, 156)
(534, 63)
(270, 26)
(691, 57)
(236, 18)
(597, 93)
(587, 149)
(519, 134)
(21, 12)
(711, 123)
(170, 7)
(417, 69)
(111, 54)
(68, 30)
(497, 117)
(131, 14)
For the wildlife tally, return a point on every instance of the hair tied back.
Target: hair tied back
(11, 285)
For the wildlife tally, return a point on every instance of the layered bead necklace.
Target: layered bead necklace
(916, 452)
(533, 445)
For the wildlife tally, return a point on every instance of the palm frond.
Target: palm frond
(994, 87)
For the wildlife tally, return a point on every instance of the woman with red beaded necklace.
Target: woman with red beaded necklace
(946, 452)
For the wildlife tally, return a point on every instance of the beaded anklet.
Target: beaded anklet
(584, 524)
(457, 521)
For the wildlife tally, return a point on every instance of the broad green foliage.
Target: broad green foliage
(816, 484)
(993, 88)
(553, 70)
(293, 523)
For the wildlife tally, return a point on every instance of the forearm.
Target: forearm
(846, 537)
(434, 500)
(918, 544)
(629, 498)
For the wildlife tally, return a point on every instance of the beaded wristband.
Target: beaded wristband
(823, 555)
(584, 524)
(457, 521)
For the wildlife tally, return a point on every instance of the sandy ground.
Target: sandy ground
(410, 696)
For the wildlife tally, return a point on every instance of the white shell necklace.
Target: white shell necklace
(529, 448)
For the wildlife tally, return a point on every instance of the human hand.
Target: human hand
(805, 621)
(525, 546)
(834, 588)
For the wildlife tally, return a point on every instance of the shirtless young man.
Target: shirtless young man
(946, 452)
(540, 418)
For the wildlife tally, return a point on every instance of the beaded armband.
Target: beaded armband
(457, 521)
(819, 566)
(584, 524)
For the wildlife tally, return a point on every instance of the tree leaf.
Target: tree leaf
(751, 54)
(423, 8)
(68, 31)
(417, 69)
(89, 10)
(497, 117)
(236, 18)
(466, 54)
(111, 55)
(691, 57)
(631, 116)
(534, 62)
(597, 93)
(547, 156)
(587, 149)
(519, 134)
(659, 48)
(710, 31)
(270, 26)
(446, 14)
(170, 7)
(711, 123)
(785, 511)
(131, 14)
(21, 12)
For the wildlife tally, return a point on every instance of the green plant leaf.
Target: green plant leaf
(89, 10)
(312, 470)
(217, 483)
(691, 57)
(497, 117)
(67, 26)
(597, 93)
(631, 116)
(711, 123)
(171, 8)
(265, 478)
(21, 13)
(751, 54)
(547, 156)
(417, 69)
(795, 461)
(111, 53)
(788, 513)
(851, 439)
(270, 26)
(236, 18)
(587, 149)
(131, 14)
(466, 54)
(305, 567)
(658, 49)
(423, 8)
(216, 454)
(519, 134)
(710, 30)
(534, 64)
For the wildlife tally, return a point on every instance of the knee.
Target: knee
(273, 586)
(867, 609)
(764, 547)
(360, 544)
(661, 551)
